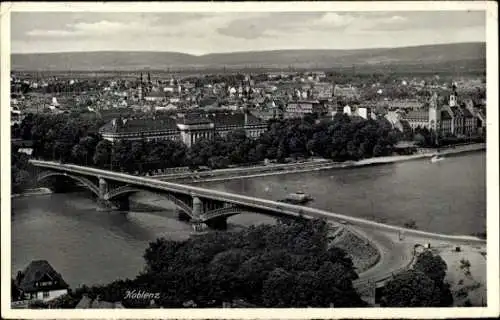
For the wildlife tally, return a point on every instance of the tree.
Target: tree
(276, 288)
(411, 288)
(265, 265)
(423, 286)
(432, 265)
(15, 293)
(102, 154)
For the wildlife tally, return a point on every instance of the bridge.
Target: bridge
(202, 207)
(206, 207)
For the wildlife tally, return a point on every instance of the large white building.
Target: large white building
(188, 128)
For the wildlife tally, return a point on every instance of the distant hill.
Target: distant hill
(430, 55)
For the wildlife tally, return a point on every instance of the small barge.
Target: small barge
(297, 198)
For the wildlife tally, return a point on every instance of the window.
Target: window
(45, 294)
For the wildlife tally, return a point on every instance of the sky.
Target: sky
(202, 33)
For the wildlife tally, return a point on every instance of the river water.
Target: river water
(88, 246)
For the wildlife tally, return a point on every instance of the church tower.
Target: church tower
(434, 113)
(139, 90)
(453, 96)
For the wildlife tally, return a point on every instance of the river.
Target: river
(88, 246)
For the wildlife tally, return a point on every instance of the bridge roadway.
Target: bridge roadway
(396, 253)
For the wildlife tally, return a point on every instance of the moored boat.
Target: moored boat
(297, 198)
(436, 158)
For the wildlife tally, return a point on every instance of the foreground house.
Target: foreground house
(39, 281)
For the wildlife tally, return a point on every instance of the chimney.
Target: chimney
(246, 117)
(113, 122)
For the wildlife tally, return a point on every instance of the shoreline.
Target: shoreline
(280, 169)
(321, 165)
(32, 192)
(318, 166)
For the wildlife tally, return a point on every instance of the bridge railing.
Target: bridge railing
(252, 202)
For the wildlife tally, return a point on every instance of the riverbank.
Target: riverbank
(32, 192)
(314, 165)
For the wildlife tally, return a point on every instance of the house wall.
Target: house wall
(51, 295)
(363, 113)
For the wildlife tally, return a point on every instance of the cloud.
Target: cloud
(49, 33)
(236, 31)
(142, 25)
(274, 25)
(268, 24)
(336, 20)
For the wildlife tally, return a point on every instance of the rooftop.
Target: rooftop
(38, 271)
(445, 115)
(417, 115)
(135, 125)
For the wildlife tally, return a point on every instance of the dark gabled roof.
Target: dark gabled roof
(467, 113)
(417, 115)
(156, 94)
(194, 119)
(445, 115)
(136, 125)
(37, 271)
(457, 112)
(207, 101)
(234, 119)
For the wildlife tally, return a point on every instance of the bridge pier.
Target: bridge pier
(198, 225)
(122, 203)
(103, 188)
(217, 223)
(104, 205)
(196, 222)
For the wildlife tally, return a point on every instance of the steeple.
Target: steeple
(453, 95)
(434, 113)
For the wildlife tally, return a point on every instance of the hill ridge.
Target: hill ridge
(136, 60)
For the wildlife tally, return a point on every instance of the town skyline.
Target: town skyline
(228, 32)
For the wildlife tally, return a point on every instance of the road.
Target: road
(396, 253)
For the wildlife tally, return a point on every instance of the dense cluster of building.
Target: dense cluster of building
(187, 109)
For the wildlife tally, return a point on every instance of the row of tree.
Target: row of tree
(286, 265)
(427, 138)
(290, 264)
(74, 139)
(20, 176)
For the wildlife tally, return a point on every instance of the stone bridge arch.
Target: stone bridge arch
(224, 212)
(234, 209)
(127, 190)
(86, 182)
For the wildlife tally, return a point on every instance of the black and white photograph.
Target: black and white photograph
(206, 156)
